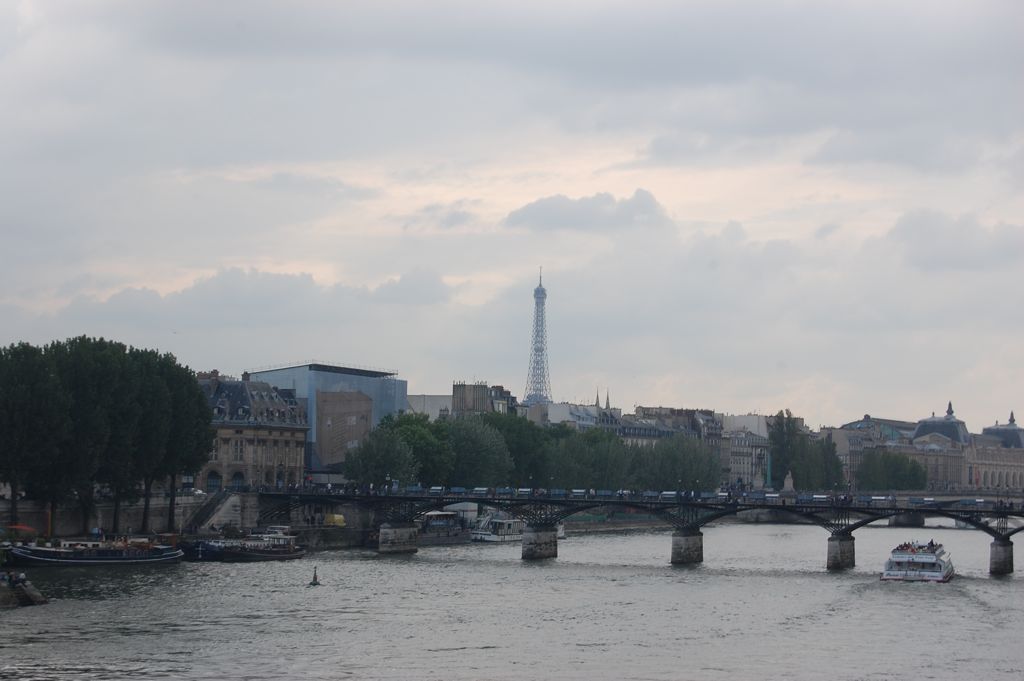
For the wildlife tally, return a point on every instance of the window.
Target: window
(238, 449)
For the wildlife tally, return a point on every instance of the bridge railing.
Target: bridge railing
(757, 497)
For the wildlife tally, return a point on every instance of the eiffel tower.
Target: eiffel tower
(538, 384)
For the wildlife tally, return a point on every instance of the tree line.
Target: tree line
(493, 450)
(815, 465)
(882, 471)
(88, 417)
(503, 449)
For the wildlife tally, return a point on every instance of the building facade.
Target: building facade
(996, 461)
(954, 460)
(260, 435)
(747, 463)
(480, 398)
(342, 424)
(311, 382)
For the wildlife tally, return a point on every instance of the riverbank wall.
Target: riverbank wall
(67, 521)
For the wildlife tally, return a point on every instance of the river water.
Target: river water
(610, 606)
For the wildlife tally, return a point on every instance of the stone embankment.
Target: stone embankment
(21, 594)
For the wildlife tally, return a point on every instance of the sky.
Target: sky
(740, 206)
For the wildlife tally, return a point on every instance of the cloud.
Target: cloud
(827, 230)
(446, 216)
(920, 146)
(598, 213)
(416, 288)
(934, 242)
(258, 182)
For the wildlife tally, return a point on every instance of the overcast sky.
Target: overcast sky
(744, 206)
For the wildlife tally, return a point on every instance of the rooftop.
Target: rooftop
(313, 365)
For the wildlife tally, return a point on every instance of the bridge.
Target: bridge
(396, 515)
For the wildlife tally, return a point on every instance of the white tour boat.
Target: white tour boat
(494, 529)
(917, 562)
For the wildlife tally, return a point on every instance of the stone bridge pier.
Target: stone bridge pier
(1000, 560)
(398, 538)
(540, 541)
(841, 554)
(687, 546)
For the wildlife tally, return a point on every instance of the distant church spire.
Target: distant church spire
(949, 409)
(607, 400)
(1013, 421)
(597, 398)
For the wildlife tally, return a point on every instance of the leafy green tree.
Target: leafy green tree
(85, 366)
(190, 436)
(154, 425)
(33, 421)
(881, 470)
(784, 443)
(594, 459)
(526, 442)
(675, 463)
(429, 443)
(481, 456)
(609, 459)
(568, 463)
(116, 471)
(813, 463)
(382, 456)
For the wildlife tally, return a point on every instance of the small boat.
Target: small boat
(85, 553)
(918, 562)
(491, 528)
(442, 527)
(262, 548)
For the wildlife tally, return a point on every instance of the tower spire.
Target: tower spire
(538, 383)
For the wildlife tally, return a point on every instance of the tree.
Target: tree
(33, 421)
(154, 425)
(881, 470)
(609, 459)
(429, 443)
(481, 456)
(190, 435)
(674, 463)
(784, 443)
(594, 458)
(526, 443)
(814, 464)
(85, 366)
(568, 463)
(382, 456)
(116, 471)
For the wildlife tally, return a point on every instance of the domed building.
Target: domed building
(996, 462)
(948, 426)
(940, 444)
(1011, 435)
